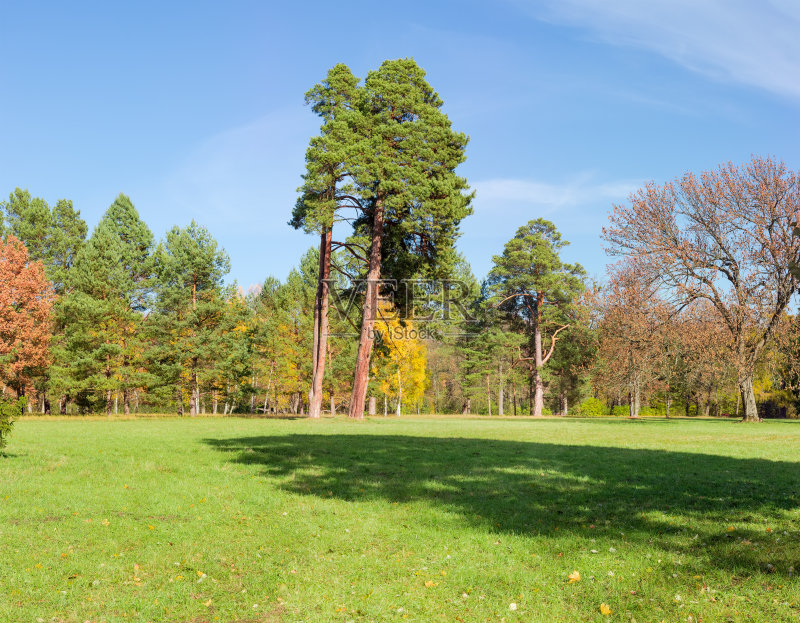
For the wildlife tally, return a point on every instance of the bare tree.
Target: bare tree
(723, 236)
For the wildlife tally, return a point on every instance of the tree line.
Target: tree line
(384, 314)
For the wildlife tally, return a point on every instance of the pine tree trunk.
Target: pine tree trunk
(193, 391)
(467, 407)
(320, 326)
(372, 405)
(333, 404)
(368, 316)
(179, 400)
(62, 405)
(126, 401)
(109, 403)
(748, 399)
(489, 394)
(514, 395)
(564, 404)
(539, 364)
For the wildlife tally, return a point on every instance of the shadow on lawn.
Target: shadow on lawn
(538, 488)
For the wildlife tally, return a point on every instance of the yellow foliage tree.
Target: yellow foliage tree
(400, 364)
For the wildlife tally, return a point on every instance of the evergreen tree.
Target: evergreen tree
(410, 195)
(109, 287)
(323, 195)
(537, 291)
(190, 308)
(52, 237)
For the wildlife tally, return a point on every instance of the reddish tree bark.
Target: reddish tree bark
(321, 308)
(361, 375)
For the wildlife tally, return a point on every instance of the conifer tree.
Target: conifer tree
(324, 195)
(191, 305)
(109, 287)
(536, 289)
(405, 175)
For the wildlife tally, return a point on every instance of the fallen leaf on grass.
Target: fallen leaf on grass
(575, 576)
(605, 609)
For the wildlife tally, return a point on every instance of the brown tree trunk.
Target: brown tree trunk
(333, 404)
(108, 379)
(467, 407)
(193, 390)
(489, 394)
(372, 405)
(514, 395)
(538, 383)
(320, 326)
(126, 401)
(368, 317)
(62, 405)
(748, 399)
(634, 398)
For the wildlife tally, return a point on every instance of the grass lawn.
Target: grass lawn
(400, 520)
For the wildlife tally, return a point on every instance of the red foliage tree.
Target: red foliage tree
(633, 325)
(726, 237)
(25, 329)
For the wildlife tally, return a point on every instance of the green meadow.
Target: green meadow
(410, 519)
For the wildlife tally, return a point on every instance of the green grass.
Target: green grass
(391, 520)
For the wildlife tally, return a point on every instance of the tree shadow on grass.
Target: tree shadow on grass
(654, 497)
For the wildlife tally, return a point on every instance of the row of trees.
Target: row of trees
(131, 325)
(694, 314)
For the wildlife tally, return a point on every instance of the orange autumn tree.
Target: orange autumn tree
(725, 237)
(25, 329)
(633, 321)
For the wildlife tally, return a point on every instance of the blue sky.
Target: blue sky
(196, 109)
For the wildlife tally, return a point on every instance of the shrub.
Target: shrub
(592, 407)
(9, 409)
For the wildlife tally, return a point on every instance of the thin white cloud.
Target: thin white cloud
(550, 197)
(241, 183)
(749, 42)
(247, 174)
